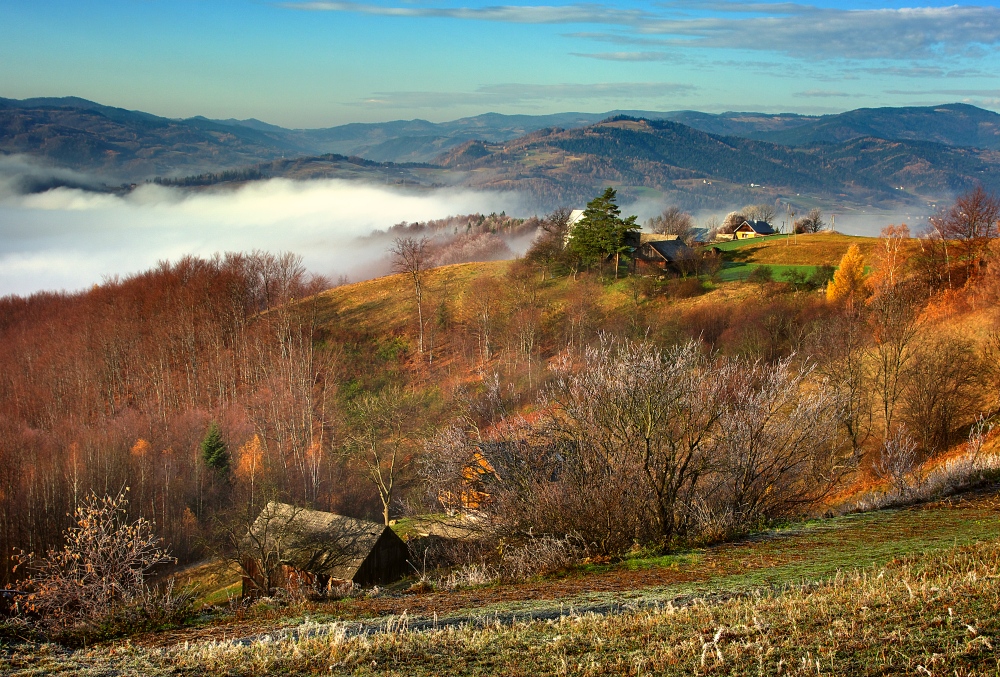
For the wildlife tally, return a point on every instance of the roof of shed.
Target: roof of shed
(315, 541)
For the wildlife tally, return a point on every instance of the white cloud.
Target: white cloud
(799, 30)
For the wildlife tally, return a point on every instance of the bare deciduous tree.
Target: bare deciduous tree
(411, 256)
(897, 459)
(779, 443)
(376, 439)
(810, 223)
(673, 221)
(972, 222)
(100, 573)
(759, 212)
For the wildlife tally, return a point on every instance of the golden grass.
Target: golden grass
(925, 615)
(818, 249)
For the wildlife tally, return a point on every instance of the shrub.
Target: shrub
(761, 275)
(96, 585)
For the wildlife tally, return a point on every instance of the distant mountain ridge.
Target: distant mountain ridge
(864, 157)
(85, 135)
(680, 164)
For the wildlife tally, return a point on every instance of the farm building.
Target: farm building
(749, 229)
(311, 549)
(657, 251)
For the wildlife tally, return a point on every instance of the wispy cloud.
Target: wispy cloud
(946, 92)
(798, 30)
(628, 56)
(526, 94)
(537, 14)
(822, 94)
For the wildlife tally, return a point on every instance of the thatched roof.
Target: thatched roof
(315, 541)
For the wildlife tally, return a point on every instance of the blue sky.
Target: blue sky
(313, 63)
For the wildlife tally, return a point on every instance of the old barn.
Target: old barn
(310, 549)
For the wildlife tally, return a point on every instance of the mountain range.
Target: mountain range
(870, 156)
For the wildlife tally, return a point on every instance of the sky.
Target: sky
(318, 63)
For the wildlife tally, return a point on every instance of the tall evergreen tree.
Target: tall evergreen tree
(213, 449)
(601, 232)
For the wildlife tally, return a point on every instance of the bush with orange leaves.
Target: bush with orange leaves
(95, 586)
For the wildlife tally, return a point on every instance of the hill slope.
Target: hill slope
(705, 170)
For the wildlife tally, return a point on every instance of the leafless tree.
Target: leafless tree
(897, 459)
(376, 439)
(732, 222)
(942, 387)
(673, 221)
(411, 256)
(636, 406)
(893, 321)
(842, 346)
(759, 212)
(99, 573)
(810, 223)
(972, 222)
(779, 446)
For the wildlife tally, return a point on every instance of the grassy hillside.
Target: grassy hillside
(837, 591)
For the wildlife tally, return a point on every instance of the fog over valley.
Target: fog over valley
(71, 239)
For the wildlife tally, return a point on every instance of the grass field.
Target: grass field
(833, 590)
(819, 249)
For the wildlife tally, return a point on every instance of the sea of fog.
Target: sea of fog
(70, 239)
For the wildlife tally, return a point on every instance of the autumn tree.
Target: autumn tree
(601, 232)
(810, 223)
(972, 222)
(411, 257)
(673, 221)
(377, 439)
(848, 284)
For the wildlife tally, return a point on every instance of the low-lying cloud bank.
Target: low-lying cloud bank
(69, 238)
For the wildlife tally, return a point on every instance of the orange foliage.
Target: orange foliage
(140, 449)
(849, 281)
(251, 459)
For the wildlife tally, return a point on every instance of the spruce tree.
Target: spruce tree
(213, 449)
(601, 232)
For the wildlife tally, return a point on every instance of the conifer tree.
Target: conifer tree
(601, 232)
(213, 449)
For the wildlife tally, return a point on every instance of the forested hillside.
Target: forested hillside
(120, 386)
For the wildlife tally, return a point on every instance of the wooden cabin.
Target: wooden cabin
(312, 549)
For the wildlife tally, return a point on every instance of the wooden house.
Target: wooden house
(749, 229)
(311, 549)
(662, 252)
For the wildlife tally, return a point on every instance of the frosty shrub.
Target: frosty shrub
(96, 584)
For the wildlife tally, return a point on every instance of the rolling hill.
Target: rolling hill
(887, 157)
(697, 169)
